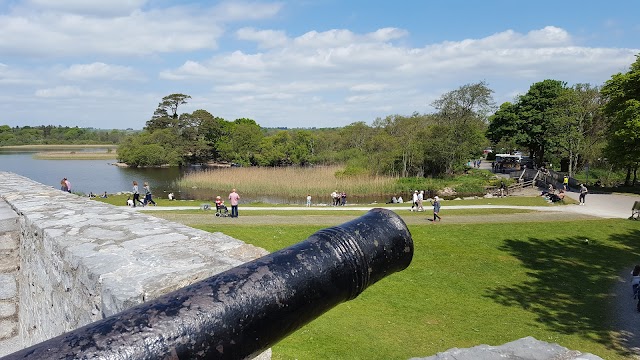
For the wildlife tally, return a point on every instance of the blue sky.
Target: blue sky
(325, 63)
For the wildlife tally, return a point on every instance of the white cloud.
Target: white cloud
(387, 34)
(368, 87)
(71, 92)
(264, 38)
(13, 76)
(53, 28)
(99, 70)
(289, 75)
(97, 8)
(246, 10)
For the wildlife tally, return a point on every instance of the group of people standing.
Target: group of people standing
(338, 198)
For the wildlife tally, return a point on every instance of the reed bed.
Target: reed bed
(288, 181)
(73, 155)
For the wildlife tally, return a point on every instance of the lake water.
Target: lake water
(98, 176)
(95, 176)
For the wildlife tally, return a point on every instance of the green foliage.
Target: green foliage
(353, 169)
(623, 107)
(62, 135)
(161, 147)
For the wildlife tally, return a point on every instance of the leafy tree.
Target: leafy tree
(460, 125)
(622, 93)
(162, 147)
(166, 114)
(402, 152)
(244, 137)
(580, 124)
(470, 101)
(531, 122)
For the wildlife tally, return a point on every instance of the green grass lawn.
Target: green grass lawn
(469, 285)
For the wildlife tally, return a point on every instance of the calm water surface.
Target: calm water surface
(95, 176)
(98, 176)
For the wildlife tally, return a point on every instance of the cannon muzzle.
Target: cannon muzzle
(245, 310)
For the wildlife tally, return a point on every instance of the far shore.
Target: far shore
(58, 147)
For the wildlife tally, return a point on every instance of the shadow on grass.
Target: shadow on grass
(570, 282)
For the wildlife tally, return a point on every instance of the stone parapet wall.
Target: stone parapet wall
(9, 269)
(81, 260)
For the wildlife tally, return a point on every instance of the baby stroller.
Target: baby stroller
(221, 209)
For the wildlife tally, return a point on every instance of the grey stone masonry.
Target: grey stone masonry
(81, 260)
(527, 348)
(9, 267)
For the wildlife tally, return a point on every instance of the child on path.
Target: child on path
(436, 208)
(147, 195)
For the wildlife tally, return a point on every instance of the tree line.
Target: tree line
(50, 135)
(584, 125)
(415, 145)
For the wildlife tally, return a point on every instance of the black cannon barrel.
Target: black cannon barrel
(245, 310)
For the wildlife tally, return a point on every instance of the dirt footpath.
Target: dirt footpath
(331, 220)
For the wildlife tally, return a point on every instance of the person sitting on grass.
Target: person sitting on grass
(555, 198)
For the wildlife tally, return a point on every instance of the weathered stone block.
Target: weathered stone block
(9, 240)
(8, 286)
(8, 329)
(8, 309)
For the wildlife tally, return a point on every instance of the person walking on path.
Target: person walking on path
(583, 193)
(147, 195)
(234, 198)
(414, 200)
(308, 200)
(420, 200)
(436, 208)
(136, 194)
(68, 184)
(565, 183)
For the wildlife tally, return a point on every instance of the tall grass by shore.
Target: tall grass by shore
(288, 181)
(73, 155)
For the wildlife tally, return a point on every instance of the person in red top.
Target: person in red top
(234, 198)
